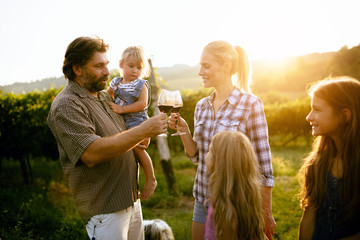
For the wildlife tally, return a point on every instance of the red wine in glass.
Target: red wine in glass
(176, 109)
(165, 102)
(178, 104)
(165, 108)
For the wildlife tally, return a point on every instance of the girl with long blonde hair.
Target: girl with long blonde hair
(331, 189)
(235, 210)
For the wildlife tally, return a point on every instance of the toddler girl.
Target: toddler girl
(132, 97)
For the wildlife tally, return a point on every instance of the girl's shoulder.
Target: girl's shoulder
(116, 80)
(139, 83)
(114, 83)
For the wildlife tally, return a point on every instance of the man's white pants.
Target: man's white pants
(126, 224)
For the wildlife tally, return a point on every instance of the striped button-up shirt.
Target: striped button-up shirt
(240, 112)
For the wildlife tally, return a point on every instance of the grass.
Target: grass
(45, 209)
(41, 210)
(285, 202)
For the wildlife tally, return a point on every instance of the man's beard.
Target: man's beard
(92, 83)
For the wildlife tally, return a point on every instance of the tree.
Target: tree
(23, 129)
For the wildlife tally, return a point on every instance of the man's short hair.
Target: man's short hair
(79, 52)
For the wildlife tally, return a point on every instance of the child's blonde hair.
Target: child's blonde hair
(234, 186)
(138, 53)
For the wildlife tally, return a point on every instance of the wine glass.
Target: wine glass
(165, 102)
(178, 104)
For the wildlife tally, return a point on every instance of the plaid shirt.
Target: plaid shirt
(76, 119)
(240, 112)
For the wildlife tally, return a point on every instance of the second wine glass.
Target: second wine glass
(178, 104)
(165, 102)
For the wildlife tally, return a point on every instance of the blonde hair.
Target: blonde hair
(234, 186)
(237, 56)
(339, 93)
(137, 53)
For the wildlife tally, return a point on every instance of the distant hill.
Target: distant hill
(177, 77)
(288, 75)
(291, 74)
(40, 85)
(180, 76)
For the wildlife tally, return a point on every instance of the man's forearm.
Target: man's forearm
(107, 148)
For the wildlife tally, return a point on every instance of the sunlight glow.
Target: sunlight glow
(36, 33)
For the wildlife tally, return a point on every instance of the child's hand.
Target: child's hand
(116, 108)
(144, 144)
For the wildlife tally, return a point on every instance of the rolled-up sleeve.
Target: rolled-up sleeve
(258, 133)
(73, 130)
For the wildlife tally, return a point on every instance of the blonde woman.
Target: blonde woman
(230, 107)
(235, 210)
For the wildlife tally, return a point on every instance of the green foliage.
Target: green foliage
(346, 62)
(45, 209)
(190, 99)
(23, 125)
(23, 128)
(286, 121)
(275, 97)
(293, 74)
(285, 202)
(27, 212)
(286, 208)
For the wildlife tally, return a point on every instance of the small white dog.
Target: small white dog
(157, 229)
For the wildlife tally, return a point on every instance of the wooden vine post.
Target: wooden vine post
(161, 141)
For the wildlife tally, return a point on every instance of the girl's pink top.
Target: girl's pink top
(210, 233)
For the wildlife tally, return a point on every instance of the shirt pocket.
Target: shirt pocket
(233, 121)
(226, 125)
(201, 130)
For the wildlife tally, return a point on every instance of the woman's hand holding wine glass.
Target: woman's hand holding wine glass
(172, 101)
(178, 104)
(165, 102)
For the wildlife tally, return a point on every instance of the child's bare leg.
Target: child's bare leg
(147, 167)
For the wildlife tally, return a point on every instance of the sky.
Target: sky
(34, 34)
